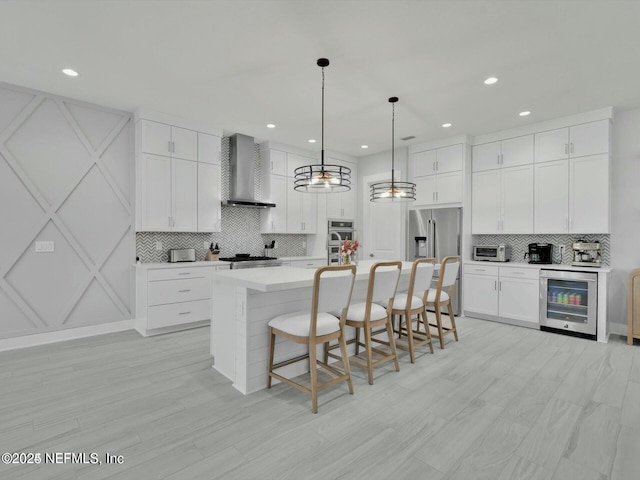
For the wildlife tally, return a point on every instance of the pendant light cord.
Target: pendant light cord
(322, 137)
(393, 147)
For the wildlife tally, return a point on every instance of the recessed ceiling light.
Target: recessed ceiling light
(364, 146)
(271, 125)
(490, 80)
(446, 125)
(70, 72)
(312, 140)
(525, 113)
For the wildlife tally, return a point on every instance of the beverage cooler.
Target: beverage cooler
(568, 301)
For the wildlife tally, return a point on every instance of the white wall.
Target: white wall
(625, 212)
(66, 176)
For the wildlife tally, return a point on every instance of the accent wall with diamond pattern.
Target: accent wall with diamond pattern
(66, 176)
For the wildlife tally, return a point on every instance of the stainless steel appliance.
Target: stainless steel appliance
(569, 301)
(247, 261)
(492, 253)
(337, 232)
(586, 254)
(435, 233)
(540, 253)
(182, 255)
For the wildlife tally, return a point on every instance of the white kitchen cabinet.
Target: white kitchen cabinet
(167, 140)
(508, 294)
(591, 138)
(310, 263)
(437, 174)
(173, 298)
(168, 194)
(502, 201)
(343, 204)
(503, 154)
(301, 210)
(209, 198)
(274, 220)
(209, 148)
(572, 196)
(276, 161)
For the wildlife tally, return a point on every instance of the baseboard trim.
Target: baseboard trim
(63, 335)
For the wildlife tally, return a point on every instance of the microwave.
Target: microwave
(492, 253)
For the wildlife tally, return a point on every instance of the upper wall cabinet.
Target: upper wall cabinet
(343, 204)
(168, 140)
(502, 154)
(591, 138)
(438, 175)
(177, 178)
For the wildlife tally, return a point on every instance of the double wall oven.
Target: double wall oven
(338, 231)
(569, 301)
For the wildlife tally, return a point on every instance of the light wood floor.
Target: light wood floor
(504, 403)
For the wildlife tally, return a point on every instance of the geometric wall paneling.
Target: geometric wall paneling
(49, 152)
(95, 306)
(119, 279)
(21, 216)
(66, 193)
(13, 102)
(48, 281)
(13, 318)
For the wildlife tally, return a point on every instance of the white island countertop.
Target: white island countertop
(153, 266)
(273, 279)
(543, 266)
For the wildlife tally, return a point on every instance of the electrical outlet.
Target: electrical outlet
(158, 246)
(206, 244)
(561, 252)
(304, 244)
(45, 247)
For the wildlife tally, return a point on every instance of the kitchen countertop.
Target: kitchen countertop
(317, 257)
(553, 266)
(151, 266)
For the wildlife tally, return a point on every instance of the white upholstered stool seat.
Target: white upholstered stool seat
(400, 302)
(441, 297)
(431, 297)
(357, 312)
(299, 323)
(332, 287)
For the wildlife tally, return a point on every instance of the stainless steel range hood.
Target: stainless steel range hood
(242, 174)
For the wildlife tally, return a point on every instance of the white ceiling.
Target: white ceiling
(242, 64)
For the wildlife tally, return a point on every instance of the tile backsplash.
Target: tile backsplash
(520, 244)
(240, 230)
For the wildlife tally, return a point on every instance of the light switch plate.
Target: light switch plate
(158, 245)
(45, 246)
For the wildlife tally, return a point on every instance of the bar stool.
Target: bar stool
(414, 302)
(375, 312)
(441, 297)
(332, 287)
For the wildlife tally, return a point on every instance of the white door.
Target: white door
(449, 159)
(425, 190)
(209, 208)
(480, 294)
(517, 199)
(309, 213)
(449, 187)
(156, 138)
(209, 148)
(589, 190)
(423, 163)
(589, 138)
(294, 207)
(184, 143)
(485, 157)
(519, 299)
(485, 202)
(156, 193)
(517, 151)
(349, 202)
(383, 226)
(184, 195)
(552, 197)
(552, 145)
(278, 214)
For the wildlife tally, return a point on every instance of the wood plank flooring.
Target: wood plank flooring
(503, 403)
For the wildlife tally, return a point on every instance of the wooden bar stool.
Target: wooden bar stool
(332, 287)
(441, 297)
(375, 313)
(413, 302)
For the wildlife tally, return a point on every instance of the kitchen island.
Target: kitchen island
(243, 302)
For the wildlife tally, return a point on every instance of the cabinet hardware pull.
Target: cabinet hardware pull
(518, 273)
(184, 273)
(184, 313)
(184, 291)
(480, 270)
(500, 285)
(272, 165)
(566, 148)
(571, 148)
(495, 284)
(173, 145)
(169, 146)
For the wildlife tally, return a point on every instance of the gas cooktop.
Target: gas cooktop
(246, 261)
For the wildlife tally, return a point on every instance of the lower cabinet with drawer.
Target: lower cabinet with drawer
(173, 298)
(504, 294)
(310, 263)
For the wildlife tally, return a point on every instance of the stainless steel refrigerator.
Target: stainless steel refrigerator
(435, 233)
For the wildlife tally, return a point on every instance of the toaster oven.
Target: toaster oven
(492, 253)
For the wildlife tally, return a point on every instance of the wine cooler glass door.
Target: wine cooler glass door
(568, 301)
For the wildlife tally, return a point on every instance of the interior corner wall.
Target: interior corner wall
(625, 211)
(66, 187)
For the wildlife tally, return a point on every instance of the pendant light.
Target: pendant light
(393, 191)
(322, 178)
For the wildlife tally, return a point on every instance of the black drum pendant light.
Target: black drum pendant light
(393, 191)
(322, 178)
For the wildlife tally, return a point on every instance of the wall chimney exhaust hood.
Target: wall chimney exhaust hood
(242, 174)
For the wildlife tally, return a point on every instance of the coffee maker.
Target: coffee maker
(586, 254)
(540, 253)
